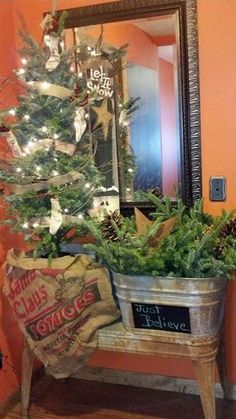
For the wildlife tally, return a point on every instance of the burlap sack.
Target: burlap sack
(59, 308)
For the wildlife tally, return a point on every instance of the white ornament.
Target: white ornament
(103, 205)
(123, 117)
(79, 123)
(52, 43)
(56, 216)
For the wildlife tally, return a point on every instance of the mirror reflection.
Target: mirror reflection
(135, 108)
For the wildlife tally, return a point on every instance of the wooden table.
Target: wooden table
(202, 351)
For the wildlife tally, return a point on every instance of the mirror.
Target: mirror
(157, 76)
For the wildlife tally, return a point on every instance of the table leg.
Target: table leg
(205, 374)
(222, 369)
(26, 376)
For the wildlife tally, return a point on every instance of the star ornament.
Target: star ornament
(103, 117)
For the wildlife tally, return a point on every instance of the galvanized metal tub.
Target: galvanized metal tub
(204, 298)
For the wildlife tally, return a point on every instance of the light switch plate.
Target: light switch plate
(217, 188)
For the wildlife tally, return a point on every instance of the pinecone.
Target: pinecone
(229, 229)
(107, 227)
(219, 250)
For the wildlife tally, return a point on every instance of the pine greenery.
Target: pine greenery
(188, 251)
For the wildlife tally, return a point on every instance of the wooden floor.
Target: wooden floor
(73, 398)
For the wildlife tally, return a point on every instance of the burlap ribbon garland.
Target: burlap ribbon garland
(46, 222)
(66, 148)
(56, 220)
(17, 151)
(49, 89)
(41, 185)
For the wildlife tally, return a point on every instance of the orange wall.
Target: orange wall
(217, 56)
(217, 50)
(7, 49)
(8, 341)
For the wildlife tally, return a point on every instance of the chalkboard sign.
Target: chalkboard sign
(161, 317)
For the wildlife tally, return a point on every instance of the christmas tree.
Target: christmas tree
(52, 177)
(56, 134)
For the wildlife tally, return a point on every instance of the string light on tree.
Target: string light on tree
(45, 85)
(21, 71)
